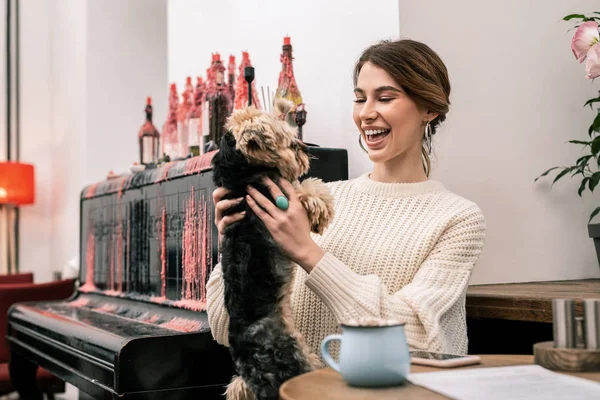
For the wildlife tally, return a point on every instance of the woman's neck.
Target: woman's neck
(400, 169)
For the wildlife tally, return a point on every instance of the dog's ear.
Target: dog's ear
(302, 157)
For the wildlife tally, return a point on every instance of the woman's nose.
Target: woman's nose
(368, 112)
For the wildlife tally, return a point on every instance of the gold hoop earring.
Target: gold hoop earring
(361, 145)
(427, 138)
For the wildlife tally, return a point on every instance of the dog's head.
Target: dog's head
(265, 139)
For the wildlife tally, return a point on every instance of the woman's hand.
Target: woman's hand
(290, 228)
(223, 205)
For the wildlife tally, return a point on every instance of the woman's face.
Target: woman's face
(389, 121)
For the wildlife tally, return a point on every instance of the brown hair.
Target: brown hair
(419, 71)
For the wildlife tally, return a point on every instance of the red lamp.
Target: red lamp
(16, 183)
(17, 188)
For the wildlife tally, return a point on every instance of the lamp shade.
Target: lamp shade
(16, 183)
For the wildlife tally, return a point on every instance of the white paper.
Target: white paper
(526, 382)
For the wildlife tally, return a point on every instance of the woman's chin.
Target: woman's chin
(379, 155)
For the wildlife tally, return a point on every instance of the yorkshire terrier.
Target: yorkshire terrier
(264, 344)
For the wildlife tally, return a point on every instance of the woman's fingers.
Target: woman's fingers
(265, 217)
(288, 189)
(272, 187)
(219, 193)
(223, 206)
(228, 220)
(262, 201)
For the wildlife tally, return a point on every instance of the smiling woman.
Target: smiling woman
(401, 246)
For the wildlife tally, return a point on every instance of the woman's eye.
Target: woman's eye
(359, 100)
(386, 99)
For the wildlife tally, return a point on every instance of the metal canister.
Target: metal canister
(591, 324)
(563, 323)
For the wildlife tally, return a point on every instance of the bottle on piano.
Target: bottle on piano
(219, 101)
(195, 123)
(149, 138)
(287, 88)
(183, 117)
(170, 143)
(231, 78)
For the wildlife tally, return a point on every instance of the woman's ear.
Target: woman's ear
(431, 115)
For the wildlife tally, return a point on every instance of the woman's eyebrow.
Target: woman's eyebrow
(378, 90)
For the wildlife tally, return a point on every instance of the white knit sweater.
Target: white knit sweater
(394, 250)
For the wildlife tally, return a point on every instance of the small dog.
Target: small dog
(266, 348)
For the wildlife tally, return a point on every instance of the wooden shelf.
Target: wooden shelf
(527, 301)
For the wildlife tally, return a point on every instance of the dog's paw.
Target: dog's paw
(238, 390)
(317, 201)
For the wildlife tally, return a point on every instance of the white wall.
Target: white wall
(517, 98)
(87, 67)
(327, 38)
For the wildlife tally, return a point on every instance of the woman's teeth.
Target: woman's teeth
(376, 134)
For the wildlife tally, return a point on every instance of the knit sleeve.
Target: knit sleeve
(431, 305)
(218, 318)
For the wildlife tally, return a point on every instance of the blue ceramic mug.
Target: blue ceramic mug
(370, 356)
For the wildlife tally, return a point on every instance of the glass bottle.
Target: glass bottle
(149, 138)
(195, 124)
(170, 141)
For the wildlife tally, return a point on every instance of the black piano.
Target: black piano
(136, 327)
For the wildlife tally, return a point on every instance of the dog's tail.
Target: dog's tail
(238, 390)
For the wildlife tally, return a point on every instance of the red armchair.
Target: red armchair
(17, 278)
(12, 293)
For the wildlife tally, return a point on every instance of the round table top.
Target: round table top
(326, 384)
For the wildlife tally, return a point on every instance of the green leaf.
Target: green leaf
(573, 16)
(592, 101)
(563, 173)
(546, 173)
(594, 213)
(583, 160)
(595, 145)
(595, 127)
(580, 142)
(594, 180)
(582, 186)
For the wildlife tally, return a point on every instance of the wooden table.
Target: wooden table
(527, 301)
(326, 384)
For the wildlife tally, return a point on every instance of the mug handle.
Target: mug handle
(325, 351)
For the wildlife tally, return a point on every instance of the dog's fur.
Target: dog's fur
(265, 346)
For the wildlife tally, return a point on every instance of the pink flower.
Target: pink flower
(592, 65)
(585, 37)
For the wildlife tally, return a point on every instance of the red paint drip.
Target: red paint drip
(193, 305)
(165, 171)
(122, 184)
(163, 253)
(202, 264)
(110, 281)
(183, 325)
(120, 253)
(80, 302)
(152, 319)
(91, 191)
(189, 251)
(89, 264)
(128, 251)
(198, 164)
